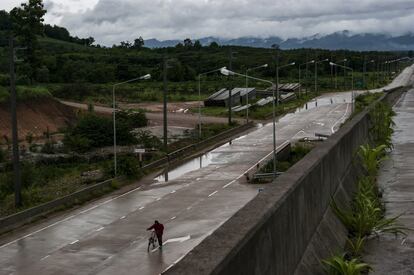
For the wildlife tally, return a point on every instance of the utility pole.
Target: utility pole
(165, 68)
(15, 137)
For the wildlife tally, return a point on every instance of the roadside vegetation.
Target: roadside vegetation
(297, 152)
(364, 216)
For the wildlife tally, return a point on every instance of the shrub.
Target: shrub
(127, 166)
(371, 158)
(92, 131)
(339, 265)
(382, 124)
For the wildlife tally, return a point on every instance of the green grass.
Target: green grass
(25, 93)
(42, 183)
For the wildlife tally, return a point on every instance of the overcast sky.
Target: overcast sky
(112, 21)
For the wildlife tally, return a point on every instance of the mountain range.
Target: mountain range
(334, 41)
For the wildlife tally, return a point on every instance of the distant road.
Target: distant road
(189, 120)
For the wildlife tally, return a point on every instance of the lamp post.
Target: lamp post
(147, 76)
(199, 98)
(352, 81)
(300, 86)
(336, 73)
(247, 87)
(277, 79)
(316, 73)
(226, 72)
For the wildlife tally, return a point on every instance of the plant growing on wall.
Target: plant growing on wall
(381, 118)
(340, 265)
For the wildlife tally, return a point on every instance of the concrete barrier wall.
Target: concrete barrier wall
(289, 226)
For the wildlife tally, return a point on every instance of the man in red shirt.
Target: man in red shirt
(159, 230)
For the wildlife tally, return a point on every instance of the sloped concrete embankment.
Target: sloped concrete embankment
(289, 227)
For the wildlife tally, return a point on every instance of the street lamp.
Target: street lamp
(277, 79)
(147, 76)
(300, 86)
(352, 81)
(199, 98)
(226, 72)
(247, 87)
(316, 73)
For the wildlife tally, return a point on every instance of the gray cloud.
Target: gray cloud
(111, 21)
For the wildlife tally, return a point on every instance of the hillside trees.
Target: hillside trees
(27, 24)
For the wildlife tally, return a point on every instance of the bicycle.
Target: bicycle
(152, 240)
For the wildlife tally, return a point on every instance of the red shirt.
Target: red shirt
(158, 227)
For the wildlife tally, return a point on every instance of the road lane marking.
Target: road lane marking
(142, 207)
(108, 201)
(158, 199)
(45, 257)
(100, 229)
(123, 217)
(213, 193)
(228, 184)
(68, 218)
(179, 259)
(339, 120)
(74, 242)
(172, 192)
(173, 218)
(37, 231)
(179, 239)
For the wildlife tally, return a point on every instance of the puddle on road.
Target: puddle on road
(194, 164)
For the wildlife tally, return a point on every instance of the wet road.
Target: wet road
(109, 237)
(390, 255)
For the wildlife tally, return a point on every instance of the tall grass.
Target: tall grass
(25, 93)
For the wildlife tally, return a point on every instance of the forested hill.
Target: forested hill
(67, 59)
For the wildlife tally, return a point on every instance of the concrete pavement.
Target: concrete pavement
(109, 236)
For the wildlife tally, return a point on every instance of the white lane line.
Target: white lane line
(239, 177)
(37, 231)
(123, 217)
(213, 193)
(100, 229)
(172, 192)
(68, 218)
(108, 201)
(45, 257)
(171, 265)
(158, 199)
(173, 218)
(142, 207)
(179, 259)
(74, 242)
(339, 120)
(228, 184)
(188, 208)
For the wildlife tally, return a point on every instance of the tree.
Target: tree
(139, 43)
(197, 45)
(188, 43)
(214, 45)
(5, 23)
(27, 23)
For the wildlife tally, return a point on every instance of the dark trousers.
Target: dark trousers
(159, 237)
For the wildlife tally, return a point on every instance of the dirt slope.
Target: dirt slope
(36, 117)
